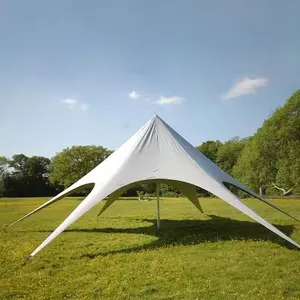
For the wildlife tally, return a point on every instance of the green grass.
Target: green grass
(219, 255)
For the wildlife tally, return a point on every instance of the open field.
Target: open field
(219, 255)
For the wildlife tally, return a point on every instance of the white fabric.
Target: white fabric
(155, 152)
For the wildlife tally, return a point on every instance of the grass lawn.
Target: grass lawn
(222, 254)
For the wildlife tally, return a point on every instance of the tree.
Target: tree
(18, 163)
(4, 165)
(28, 176)
(168, 190)
(37, 166)
(210, 149)
(246, 168)
(288, 175)
(228, 154)
(14, 182)
(270, 152)
(71, 164)
(37, 174)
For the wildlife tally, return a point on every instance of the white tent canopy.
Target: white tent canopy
(155, 152)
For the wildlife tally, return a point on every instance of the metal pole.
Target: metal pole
(157, 206)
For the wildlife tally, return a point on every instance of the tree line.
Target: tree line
(268, 161)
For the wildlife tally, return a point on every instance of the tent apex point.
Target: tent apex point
(156, 117)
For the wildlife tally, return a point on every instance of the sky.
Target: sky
(93, 72)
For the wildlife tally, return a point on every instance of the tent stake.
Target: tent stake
(157, 206)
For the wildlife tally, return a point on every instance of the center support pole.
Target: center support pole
(157, 205)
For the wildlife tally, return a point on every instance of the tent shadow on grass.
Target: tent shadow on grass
(192, 232)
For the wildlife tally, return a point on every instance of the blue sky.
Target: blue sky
(93, 72)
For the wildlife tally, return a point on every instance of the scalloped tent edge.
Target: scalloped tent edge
(155, 152)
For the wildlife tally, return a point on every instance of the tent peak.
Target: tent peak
(156, 118)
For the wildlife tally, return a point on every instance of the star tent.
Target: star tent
(157, 153)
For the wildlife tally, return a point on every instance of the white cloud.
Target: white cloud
(245, 87)
(150, 98)
(69, 102)
(169, 100)
(72, 104)
(133, 95)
